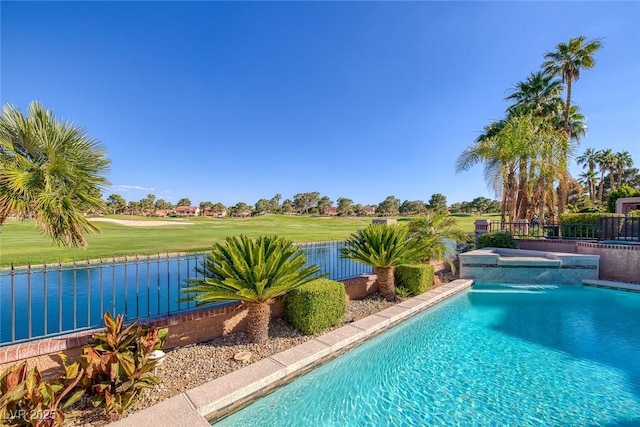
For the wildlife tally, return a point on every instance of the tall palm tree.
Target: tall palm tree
(51, 171)
(383, 247)
(483, 151)
(588, 159)
(566, 62)
(254, 272)
(538, 95)
(433, 229)
(606, 162)
(622, 161)
(589, 178)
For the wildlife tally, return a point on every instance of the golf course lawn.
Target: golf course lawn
(22, 243)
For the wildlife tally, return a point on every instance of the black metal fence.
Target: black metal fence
(619, 228)
(523, 230)
(47, 300)
(608, 228)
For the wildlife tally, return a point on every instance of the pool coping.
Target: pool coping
(611, 284)
(219, 397)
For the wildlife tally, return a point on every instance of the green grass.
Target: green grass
(21, 242)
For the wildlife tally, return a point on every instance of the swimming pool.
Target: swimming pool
(494, 355)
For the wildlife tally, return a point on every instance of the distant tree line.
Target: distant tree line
(312, 203)
(478, 206)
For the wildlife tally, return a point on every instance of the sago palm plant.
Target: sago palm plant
(383, 247)
(254, 272)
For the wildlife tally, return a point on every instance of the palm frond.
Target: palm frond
(249, 270)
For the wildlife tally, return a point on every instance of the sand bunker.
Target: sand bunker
(134, 223)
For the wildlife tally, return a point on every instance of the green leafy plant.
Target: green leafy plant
(316, 306)
(432, 230)
(254, 272)
(28, 400)
(497, 240)
(618, 193)
(415, 278)
(384, 247)
(581, 224)
(117, 365)
(401, 291)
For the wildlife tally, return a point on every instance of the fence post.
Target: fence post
(522, 227)
(483, 226)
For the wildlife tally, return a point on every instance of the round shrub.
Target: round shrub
(497, 240)
(316, 306)
(415, 278)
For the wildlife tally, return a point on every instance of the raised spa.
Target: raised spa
(498, 265)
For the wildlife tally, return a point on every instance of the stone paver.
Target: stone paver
(176, 411)
(302, 355)
(225, 390)
(339, 338)
(190, 408)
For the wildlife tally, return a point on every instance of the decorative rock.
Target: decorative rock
(189, 366)
(243, 356)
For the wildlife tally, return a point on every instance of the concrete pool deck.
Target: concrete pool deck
(218, 397)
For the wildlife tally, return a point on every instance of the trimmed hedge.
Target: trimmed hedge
(581, 225)
(316, 306)
(416, 278)
(580, 218)
(618, 193)
(497, 240)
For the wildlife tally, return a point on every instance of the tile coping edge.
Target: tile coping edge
(210, 409)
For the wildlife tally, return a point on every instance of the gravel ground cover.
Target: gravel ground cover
(187, 367)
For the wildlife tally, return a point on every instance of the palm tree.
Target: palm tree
(606, 161)
(589, 178)
(254, 272)
(51, 171)
(566, 62)
(383, 247)
(539, 95)
(622, 161)
(588, 159)
(483, 151)
(432, 230)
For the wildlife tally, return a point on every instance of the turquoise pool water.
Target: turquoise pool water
(516, 355)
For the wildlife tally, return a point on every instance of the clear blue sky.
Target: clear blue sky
(238, 101)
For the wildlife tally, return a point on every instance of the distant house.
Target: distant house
(624, 205)
(369, 209)
(332, 211)
(245, 213)
(187, 211)
(163, 212)
(208, 211)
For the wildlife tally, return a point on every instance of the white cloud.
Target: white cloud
(131, 187)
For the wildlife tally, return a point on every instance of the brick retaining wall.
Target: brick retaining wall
(556, 245)
(617, 262)
(185, 328)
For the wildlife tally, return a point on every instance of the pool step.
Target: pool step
(510, 288)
